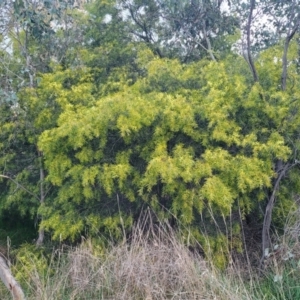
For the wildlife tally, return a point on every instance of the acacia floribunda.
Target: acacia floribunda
(186, 140)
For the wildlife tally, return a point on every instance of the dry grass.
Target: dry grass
(153, 265)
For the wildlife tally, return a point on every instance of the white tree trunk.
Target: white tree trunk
(9, 281)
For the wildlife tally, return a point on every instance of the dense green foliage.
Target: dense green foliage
(106, 116)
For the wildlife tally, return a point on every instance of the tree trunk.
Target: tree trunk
(266, 240)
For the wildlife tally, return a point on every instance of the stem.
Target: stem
(249, 56)
(41, 236)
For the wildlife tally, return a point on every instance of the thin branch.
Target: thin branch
(285, 52)
(148, 36)
(20, 185)
(249, 56)
(41, 236)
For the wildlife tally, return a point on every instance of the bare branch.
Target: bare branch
(285, 52)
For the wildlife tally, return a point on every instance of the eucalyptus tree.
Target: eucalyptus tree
(189, 29)
(108, 48)
(37, 35)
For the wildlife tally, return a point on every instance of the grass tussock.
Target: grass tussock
(159, 267)
(153, 265)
